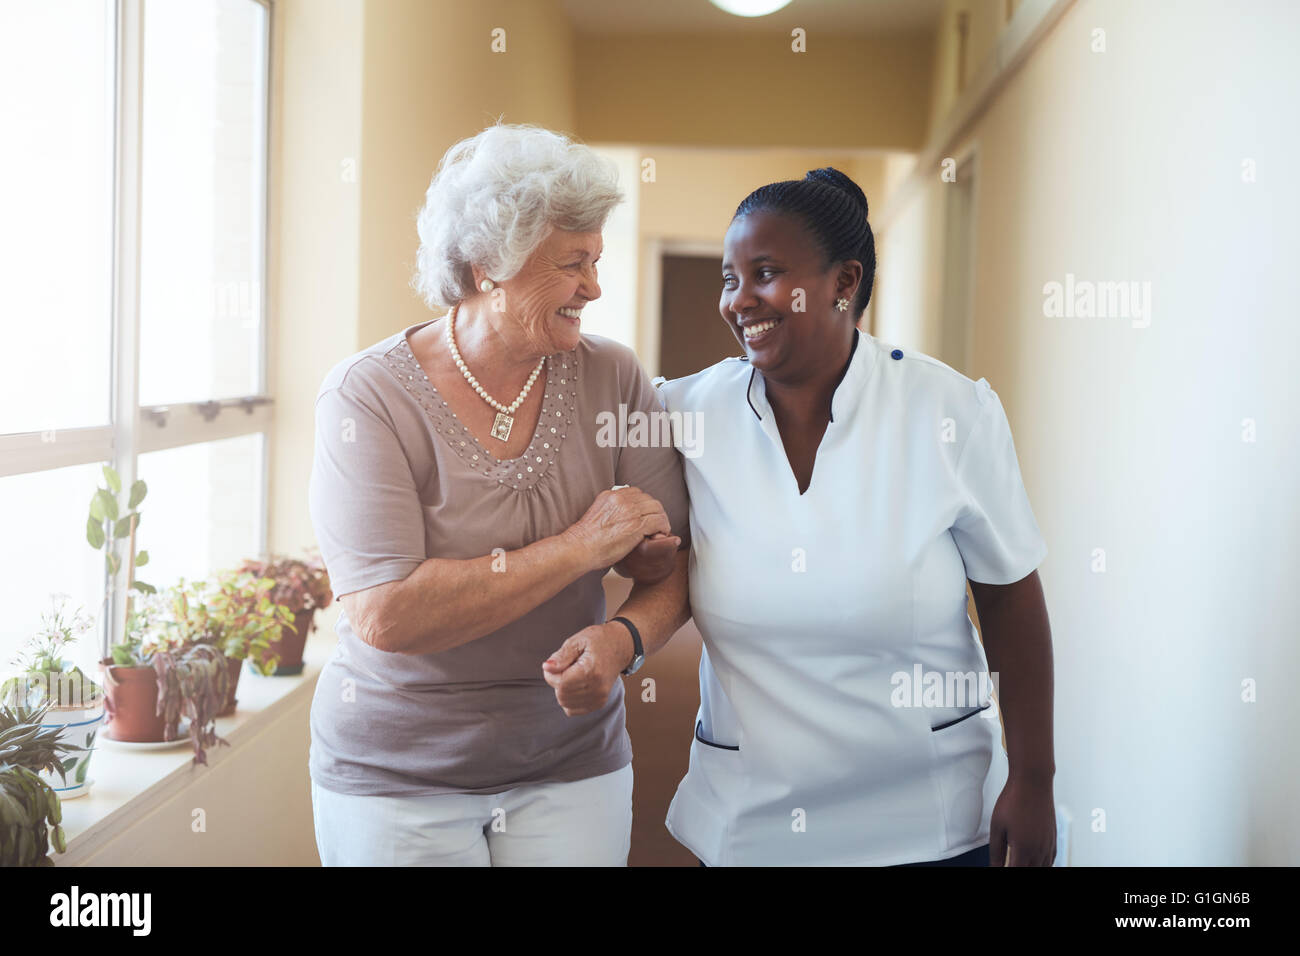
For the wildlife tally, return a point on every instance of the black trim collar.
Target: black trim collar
(857, 335)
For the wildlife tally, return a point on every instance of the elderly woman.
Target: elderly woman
(467, 512)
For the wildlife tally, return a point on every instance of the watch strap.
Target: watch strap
(638, 649)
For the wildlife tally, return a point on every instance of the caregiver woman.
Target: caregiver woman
(846, 494)
(463, 508)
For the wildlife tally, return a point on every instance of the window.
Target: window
(134, 331)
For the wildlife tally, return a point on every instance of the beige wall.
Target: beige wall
(313, 279)
(745, 90)
(696, 191)
(431, 79)
(255, 800)
(1127, 165)
(985, 20)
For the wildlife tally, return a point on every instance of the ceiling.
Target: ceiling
(700, 16)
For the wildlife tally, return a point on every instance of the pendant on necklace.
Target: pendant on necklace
(501, 427)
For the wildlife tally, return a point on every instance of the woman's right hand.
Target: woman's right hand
(618, 521)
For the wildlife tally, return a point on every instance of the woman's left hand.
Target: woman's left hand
(585, 667)
(1024, 818)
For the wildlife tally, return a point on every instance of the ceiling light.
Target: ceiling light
(750, 8)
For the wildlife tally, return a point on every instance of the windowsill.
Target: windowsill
(129, 784)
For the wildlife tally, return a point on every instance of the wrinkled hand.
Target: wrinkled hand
(616, 523)
(652, 560)
(585, 667)
(1024, 818)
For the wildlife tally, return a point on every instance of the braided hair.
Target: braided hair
(834, 209)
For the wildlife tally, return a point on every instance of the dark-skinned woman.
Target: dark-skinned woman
(846, 493)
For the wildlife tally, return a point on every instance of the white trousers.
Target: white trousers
(582, 823)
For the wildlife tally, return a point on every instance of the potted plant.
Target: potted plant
(237, 616)
(161, 673)
(76, 703)
(131, 698)
(303, 586)
(130, 681)
(28, 805)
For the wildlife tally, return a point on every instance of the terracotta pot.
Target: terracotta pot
(291, 645)
(234, 667)
(131, 701)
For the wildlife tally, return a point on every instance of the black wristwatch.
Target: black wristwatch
(638, 652)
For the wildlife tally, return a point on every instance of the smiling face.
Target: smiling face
(548, 294)
(778, 295)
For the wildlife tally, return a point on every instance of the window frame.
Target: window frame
(134, 430)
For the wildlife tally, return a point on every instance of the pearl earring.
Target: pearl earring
(842, 304)
(486, 285)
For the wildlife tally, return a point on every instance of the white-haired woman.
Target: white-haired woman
(467, 512)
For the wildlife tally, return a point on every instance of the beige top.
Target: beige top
(397, 479)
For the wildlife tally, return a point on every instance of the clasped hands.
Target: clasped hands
(583, 670)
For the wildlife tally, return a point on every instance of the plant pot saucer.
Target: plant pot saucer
(182, 740)
(71, 793)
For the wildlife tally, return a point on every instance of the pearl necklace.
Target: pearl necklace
(505, 413)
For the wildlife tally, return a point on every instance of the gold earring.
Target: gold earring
(842, 304)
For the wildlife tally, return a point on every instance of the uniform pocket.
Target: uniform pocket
(946, 724)
(704, 807)
(699, 735)
(963, 752)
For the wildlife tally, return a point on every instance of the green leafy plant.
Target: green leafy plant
(46, 677)
(28, 805)
(148, 629)
(238, 616)
(112, 521)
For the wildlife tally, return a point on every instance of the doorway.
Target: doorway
(692, 335)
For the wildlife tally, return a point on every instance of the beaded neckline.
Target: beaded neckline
(559, 405)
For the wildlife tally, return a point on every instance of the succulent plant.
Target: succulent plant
(28, 805)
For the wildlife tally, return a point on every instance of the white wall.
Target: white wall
(1127, 165)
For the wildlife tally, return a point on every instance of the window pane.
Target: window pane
(202, 201)
(204, 509)
(46, 552)
(56, 166)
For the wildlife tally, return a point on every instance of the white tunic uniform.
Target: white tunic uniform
(822, 613)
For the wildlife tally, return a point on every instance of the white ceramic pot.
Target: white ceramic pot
(79, 726)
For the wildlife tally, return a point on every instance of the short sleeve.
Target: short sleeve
(364, 504)
(995, 530)
(653, 466)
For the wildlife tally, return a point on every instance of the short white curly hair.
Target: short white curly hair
(494, 199)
